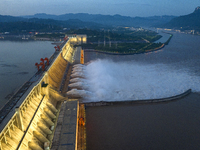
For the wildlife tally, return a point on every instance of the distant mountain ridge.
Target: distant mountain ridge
(5, 18)
(116, 20)
(96, 21)
(79, 20)
(186, 22)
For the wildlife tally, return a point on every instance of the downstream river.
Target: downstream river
(171, 126)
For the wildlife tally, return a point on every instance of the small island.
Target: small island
(121, 40)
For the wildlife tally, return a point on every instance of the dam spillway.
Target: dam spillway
(29, 119)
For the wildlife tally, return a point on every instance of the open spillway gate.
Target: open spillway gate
(30, 123)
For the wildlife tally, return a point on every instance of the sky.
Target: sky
(141, 8)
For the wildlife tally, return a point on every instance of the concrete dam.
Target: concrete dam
(39, 116)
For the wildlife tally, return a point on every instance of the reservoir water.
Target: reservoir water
(17, 64)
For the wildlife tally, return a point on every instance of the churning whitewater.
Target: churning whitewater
(105, 80)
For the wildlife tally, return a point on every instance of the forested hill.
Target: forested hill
(187, 22)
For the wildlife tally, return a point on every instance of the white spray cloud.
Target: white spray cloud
(116, 81)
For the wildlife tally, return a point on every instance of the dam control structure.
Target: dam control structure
(39, 116)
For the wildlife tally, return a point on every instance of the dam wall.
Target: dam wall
(30, 124)
(61, 65)
(31, 121)
(56, 71)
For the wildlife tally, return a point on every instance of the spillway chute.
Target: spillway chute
(74, 80)
(78, 65)
(78, 74)
(74, 71)
(78, 85)
(78, 69)
(79, 93)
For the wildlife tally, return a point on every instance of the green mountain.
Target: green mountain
(187, 22)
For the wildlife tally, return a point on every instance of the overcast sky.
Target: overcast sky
(142, 8)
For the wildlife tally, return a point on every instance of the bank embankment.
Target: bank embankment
(167, 42)
(161, 100)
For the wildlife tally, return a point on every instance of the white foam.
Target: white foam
(116, 81)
